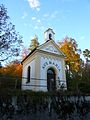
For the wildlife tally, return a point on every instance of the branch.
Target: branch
(5, 59)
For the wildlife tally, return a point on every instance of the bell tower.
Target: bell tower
(49, 34)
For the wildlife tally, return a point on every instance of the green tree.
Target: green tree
(84, 84)
(10, 40)
(86, 54)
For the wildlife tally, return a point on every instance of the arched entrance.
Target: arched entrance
(51, 82)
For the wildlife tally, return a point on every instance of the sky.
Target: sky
(66, 17)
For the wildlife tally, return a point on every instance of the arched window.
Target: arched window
(50, 36)
(28, 74)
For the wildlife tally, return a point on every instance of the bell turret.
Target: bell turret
(49, 34)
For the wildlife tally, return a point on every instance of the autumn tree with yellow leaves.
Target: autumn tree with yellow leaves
(69, 48)
(10, 75)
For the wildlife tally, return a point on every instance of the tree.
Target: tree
(25, 52)
(11, 74)
(86, 54)
(10, 40)
(84, 84)
(69, 47)
(34, 43)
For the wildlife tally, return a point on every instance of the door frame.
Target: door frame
(51, 79)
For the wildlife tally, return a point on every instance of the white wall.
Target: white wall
(46, 63)
(46, 35)
(32, 74)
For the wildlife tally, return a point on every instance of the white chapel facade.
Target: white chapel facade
(44, 67)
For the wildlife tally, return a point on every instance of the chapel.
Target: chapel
(44, 66)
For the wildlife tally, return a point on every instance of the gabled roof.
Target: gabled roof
(49, 29)
(28, 55)
(46, 44)
(43, 46)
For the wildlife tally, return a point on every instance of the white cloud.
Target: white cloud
(51, 15)
(38, 9)
(24, 15)
(36, 27)
(38, 21)
(34, 4)
(54, 14)
(31, 37)
(46, 15)
(33, 18)
(39, 27)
